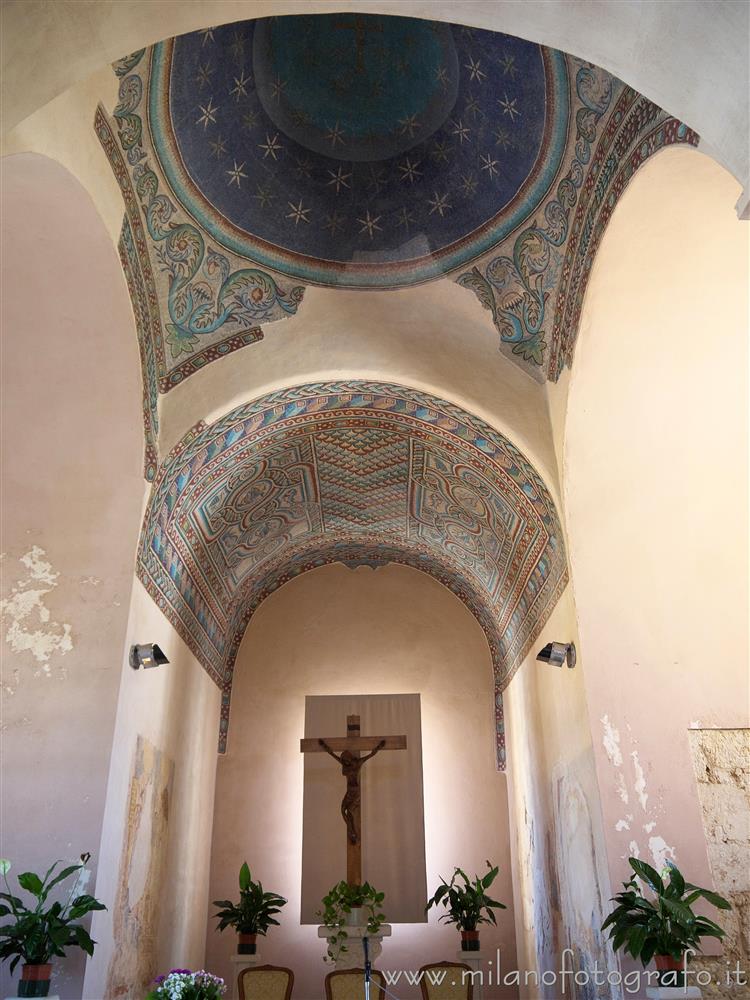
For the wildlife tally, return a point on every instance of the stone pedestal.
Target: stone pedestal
(354, 956)
(240, 962)
(479, 961)
(673, 993)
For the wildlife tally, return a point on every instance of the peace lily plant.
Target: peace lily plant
(41, 932)
(253, 915)
(467, 904)
(662, 926)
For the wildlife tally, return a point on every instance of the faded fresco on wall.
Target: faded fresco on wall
(721, 759)
(583, 887)
(135, 914)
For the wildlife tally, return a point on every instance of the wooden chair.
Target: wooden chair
(453, 986)
(349, 984)
(266, 982)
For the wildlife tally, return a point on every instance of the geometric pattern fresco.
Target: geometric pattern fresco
(362, 151)
(354, 472)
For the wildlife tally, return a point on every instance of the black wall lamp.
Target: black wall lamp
(146, 655)
(557, 653)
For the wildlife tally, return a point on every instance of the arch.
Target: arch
(349, 472)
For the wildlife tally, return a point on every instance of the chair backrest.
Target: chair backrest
(266, 982)
(446, 981)
(349, 984)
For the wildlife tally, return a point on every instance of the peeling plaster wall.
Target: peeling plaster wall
(71, 492)
(335, 630)
(156, 836)
(656, 498)
(721, 759)
(557, 836)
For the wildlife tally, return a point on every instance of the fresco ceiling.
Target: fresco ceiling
(353, 472)
(362, 151)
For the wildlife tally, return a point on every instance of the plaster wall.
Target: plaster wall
(690, 58)
(153, 871)
(557, 837)
(340, 631)
(656, 498)
(71, 489)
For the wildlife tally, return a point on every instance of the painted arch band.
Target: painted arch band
(355, 472)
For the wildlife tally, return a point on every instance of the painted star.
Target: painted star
(502, 139)
(240, 86)
(271, 147)
(203, 76)
(277, 88)
(409, 171)
(476, 74)
(298, 213)
(236, 174)
(490, 165)
(409, 125)
(335, 135)
(335, 222)
(208, 114)
(440, 151)
(376, 180)
(439, 204)
(218, 147)
(508, 63)
(237, 46)
(250, 119)
(370, 224)
(472, 106)
(208, 35)
(264, 195)
(468, 184)
(340, 178)
(404, 218)
(462, 131)
(509, 107)
(300, 117)
(304, 166)
(442, 77)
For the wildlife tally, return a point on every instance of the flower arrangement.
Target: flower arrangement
(182, 984)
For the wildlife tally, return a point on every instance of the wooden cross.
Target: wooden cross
(350, 747)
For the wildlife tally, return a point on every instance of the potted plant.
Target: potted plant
(662, 928)
(182, 984)
(467, 903)
(350, 906)
(38, 934)
(254, 913)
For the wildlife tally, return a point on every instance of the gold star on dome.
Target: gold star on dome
(335, 135)
(439, 204)
(249, 119)
(240, 86)
(208, 35)
(208, 114)
(462, 131)
(277, 88)
(236, 174)
(509, 107)
(271, 147)
(298, 213)
(334, 222)
(218, 147)
(370, 224)
(502, 139)
(440, 151)
(442, 77)
(203, 76)
(409, 171)
(508, 64)
(340, 178)
(490, 165)
(475, 73)
(469, 184)
(409, 125)
(404, 218)
(264, 195)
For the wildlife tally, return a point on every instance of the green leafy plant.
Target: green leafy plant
(666, 924)
(256, 910)
(39, 934)
(339, 903)
(466, 900)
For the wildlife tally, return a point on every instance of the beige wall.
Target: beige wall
(656, 487)
(153, 872)
(339, 631)
(71, 488)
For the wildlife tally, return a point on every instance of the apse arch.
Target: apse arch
(355, 472)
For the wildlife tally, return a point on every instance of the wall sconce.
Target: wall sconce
(557, 653)
(146, 655)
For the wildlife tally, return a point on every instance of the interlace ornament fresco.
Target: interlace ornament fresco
(353, 472)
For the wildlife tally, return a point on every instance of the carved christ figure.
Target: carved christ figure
(351, 764)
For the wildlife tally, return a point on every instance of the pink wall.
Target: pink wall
(72, 491)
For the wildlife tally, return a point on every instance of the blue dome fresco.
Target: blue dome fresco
(358, 150)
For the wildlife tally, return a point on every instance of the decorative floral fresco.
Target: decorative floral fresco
(363, 151)
(353, 472)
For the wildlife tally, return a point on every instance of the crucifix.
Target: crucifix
(361, 26)
(349, 757)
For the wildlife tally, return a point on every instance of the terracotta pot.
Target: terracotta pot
(246, 944)
(671, 970)
(35, 980)
(469, 940)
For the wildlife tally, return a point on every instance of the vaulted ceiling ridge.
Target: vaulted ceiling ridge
(349, 471)
(353, 151)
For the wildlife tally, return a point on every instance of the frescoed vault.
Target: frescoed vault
(362, 151)
(353, 472)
